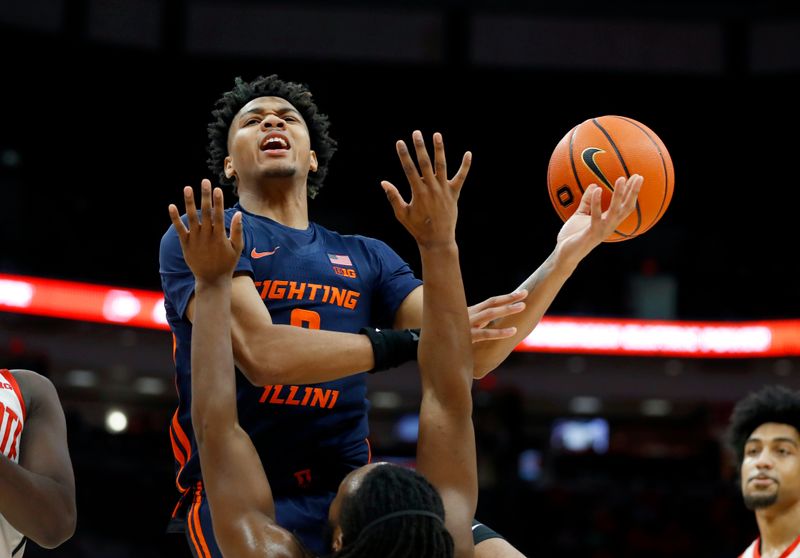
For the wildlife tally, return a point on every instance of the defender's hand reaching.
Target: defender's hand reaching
(209, 252)
(431, 214)
(483, 315)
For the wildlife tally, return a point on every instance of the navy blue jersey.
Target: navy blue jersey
(306, 435)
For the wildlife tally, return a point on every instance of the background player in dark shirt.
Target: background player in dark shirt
(269, 141)
(765, 434)
(37, 492)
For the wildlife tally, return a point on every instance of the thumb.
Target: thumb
(394, 197)
(237, 236)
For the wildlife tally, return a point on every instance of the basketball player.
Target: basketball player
(37, 486)
(270, 142)
(379, 509)
(765, 434)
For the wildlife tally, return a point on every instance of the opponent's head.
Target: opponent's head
(765, 434)
(391, 511)
(269, 127)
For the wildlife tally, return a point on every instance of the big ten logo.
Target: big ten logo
(345, 272)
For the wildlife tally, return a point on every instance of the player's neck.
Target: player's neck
(779, 528)
(286, 205)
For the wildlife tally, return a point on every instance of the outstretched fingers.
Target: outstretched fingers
(409, 168)
(492, 334)
(486, 316)
(191, 207)
(483, 313)
(236, 236)
(596, 207)
(422, 158)
(440, 161)
(499, 300)
(618, 195)
(180, 228)
(205, 202)
(463, 171)
(212, 212)
(585, 206)
(218, 210)
(632, 195)
(623, 200)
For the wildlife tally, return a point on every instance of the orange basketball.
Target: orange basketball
(599, 151)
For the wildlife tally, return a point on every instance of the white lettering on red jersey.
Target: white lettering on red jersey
(12, 421)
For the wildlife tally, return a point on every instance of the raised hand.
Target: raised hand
(590, 225)
(431, 214)
(209, 252)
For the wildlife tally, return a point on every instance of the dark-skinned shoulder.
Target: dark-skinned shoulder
(36, 389)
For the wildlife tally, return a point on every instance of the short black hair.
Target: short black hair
(388, 489)
(777, 404)
(298, 95)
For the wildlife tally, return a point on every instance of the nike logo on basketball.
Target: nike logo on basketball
(588, 159)
(255, 254)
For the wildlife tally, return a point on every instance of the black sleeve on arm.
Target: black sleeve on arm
(392, 347)
(481, 532)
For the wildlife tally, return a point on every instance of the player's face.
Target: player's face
(268, 138)
(771, 466)
(347, 487)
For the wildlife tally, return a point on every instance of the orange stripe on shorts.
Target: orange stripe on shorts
(198, 528)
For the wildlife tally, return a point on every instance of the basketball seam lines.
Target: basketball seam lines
(572, 159)
(627, 175)
(613, 146)
(663, 164)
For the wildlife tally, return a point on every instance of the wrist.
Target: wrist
(212, 284)
(391, 347)
(561, 263)
(439, 247)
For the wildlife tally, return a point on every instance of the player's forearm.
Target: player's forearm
(234, 479)
(37, 506)
(543, 285)
(445, 356)
(287, 355)
(213, 381)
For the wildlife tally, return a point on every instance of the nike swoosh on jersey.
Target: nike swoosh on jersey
(255, 254)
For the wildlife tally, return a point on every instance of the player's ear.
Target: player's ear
(230, 172)
(314, 165)
(337, 539)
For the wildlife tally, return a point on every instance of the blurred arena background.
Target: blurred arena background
(104, 109)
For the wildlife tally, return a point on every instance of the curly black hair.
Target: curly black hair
(770, 404)
(388, 489)
(227, 106)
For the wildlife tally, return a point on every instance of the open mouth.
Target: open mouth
(275, 142)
